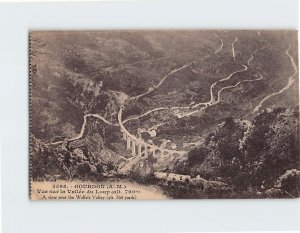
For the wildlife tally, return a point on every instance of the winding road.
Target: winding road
(251, 58)
(233, 86)
(144, 114)
(290, 82)
(215, 83)
(219, 49)
(211, 102)
(175, 71)
(232, 47)
(83, 127)
(162, 81)
(137, 97)
(219, 95)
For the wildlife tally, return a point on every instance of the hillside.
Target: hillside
(222, 106)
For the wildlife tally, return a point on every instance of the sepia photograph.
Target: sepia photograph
(164, 114)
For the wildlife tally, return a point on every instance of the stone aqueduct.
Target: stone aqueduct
(139, 147)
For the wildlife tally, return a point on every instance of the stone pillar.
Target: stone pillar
(139, 134)
(139, 149)
(146, 151)
(128, 143)
(133, 148)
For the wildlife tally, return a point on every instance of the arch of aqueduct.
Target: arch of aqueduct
(138, 146)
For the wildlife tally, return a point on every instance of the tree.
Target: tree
(196, 156)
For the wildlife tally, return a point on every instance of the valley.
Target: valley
(188, 104)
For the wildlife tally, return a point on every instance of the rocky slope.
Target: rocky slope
(249, 155)
(78, 74)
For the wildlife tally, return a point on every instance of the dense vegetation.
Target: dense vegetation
(239, 153)
(250, 156)
(52, 163)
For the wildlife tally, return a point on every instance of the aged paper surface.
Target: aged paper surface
(79, 190)
(131, 115)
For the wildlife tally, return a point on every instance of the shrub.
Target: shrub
(196, 156)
